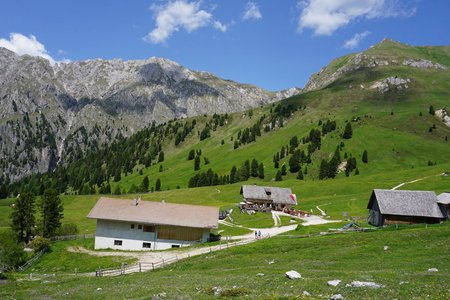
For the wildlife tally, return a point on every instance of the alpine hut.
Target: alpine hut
(443, 201)
(146, 225)
(263, 198)
(395, 206)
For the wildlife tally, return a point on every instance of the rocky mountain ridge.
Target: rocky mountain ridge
(48, 111)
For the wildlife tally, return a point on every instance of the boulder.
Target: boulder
(334, 282)
(293, 275)
(336, 297)
(433, 270)
(364, 284)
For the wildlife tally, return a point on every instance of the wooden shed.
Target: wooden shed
(443, 201)
(395, 206)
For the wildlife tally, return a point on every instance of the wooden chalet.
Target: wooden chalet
(263, 198)
(395, 207)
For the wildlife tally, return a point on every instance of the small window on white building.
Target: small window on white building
(175, 246)
(139, 226)
(132, 226)
(117, 242)
(148, 228)
(146, 245)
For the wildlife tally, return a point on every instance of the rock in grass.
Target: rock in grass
(386, 248)
(364, 284)
(334, 282)
(99, 289)
(305, 293)
(433, 270)
(260, 274)
(336, 297)
(293, 275)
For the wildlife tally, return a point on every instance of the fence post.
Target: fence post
(139, 267)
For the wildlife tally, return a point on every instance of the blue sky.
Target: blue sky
(275, 44)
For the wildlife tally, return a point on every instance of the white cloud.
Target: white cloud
(324, 17)
(252, 12)
(180, 14)
(355, 40)
(22, 44)
(219, 26)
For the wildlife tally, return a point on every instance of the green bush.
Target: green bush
(40, 243)
(67, 229)
(11, 253)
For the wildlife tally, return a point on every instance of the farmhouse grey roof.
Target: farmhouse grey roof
(274, 194)
(150, 212)
(407, 203)
(444, 198)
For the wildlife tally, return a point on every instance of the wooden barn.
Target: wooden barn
(146, 225)
(395, 206)
(443, 201)
(267, 198)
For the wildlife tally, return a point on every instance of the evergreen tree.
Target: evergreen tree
(234, 177)
(254, 168)
(278, 176)
(245, 171)
(158, 185)
(348, 132)
(294, 161)
(293, 143)
(3, 191)
(51, 212)
(236, 144)
(22, 216)
(191, 154)
(197, 163)
(144, 185)
(323, 170)
(431, 110)
(117, 175)
(161, 156)
(356, 171)
(300, 175)
(283, 169)
(261, 171)
(161, 168)
(365, 157)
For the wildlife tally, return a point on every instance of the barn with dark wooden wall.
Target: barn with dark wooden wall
(396, 207)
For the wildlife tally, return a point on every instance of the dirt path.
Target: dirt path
(415, 180)
(276, 218)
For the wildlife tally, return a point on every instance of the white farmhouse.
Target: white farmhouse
(146, 225)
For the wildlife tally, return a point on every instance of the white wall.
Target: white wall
(132, 239)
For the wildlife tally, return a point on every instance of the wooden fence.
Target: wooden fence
(72, 237)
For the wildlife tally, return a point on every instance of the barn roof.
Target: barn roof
(444, 198)
(276, 194)
(150, 212)
(407, 203)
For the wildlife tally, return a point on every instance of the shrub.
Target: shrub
(68, 229)
(40, 243)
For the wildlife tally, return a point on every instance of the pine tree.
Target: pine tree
(348, 132)
(3, 191)
(261, 171)
(22, 217)
(431, 110)
(161, 168)
(283, 170)
(191, 155)
(300, 175)
(197, 163)
(254, 168)
(161, 156)
(158, 185)
(233, 175)
(365, 158)
(294, 161)
(323, 170)
(278, 177)
(145, 184)
(51, 212)
(117, 190)
(236, 144)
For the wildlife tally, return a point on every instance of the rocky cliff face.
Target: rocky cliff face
(49, 112)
